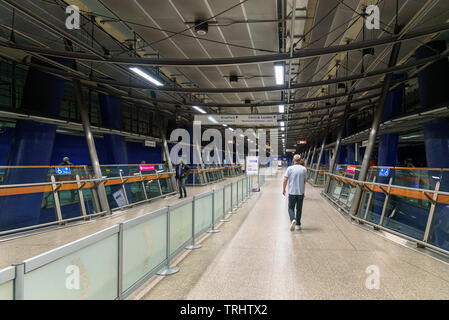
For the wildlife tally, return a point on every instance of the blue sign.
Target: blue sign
(384, 172)
(62, 170)
(161, 167)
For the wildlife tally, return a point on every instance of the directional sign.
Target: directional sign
(62, 170)
(245, 119)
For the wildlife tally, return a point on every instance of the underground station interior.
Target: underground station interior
(145, 147)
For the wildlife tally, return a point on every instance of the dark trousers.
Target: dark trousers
(182, 186)
(295, 200)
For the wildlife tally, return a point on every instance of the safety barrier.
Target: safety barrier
(72, 195)
(410, 202)
(113, 263)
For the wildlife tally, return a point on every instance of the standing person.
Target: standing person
(66, 162)
(295, 177)
(182, 171)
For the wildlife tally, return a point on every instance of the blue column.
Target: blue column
(112, 118)
(351, 127)
(32, 145)
(434, 92)
(388, 143)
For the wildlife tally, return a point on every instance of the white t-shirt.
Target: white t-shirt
(296, 175)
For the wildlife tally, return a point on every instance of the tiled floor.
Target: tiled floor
(17, 250)
(256, 256)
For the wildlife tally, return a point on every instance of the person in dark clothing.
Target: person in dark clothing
(182, 171)
(66, 162)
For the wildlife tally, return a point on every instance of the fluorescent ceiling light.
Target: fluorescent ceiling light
(279, 73)
(231, 129)
(283, 129)
(281, 108)
(282, 124)
(212, 119)
(199, 109)
(146, 76)
(225, 125)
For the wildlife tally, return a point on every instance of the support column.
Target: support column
(91, 146)
(165, 149)
(374, 128)
(318, 163)
(434, 93)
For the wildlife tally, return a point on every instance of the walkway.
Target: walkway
(24, 247)
(257, 257)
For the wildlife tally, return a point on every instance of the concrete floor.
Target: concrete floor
(256, 256)
(16, 250)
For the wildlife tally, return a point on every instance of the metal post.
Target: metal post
(431, 218)
(310, 162)
(91, 146)
(224, 205)
(120, 262)
(123, 187)
(56, 199)
(166, 152)
(370, 199)
(159, 184)
(212, 229)
(19, 292)
(319, 161)
(143, 186)
(193, 246)
(81, 197)
(168, 270)
(386, 201)
(374, 128)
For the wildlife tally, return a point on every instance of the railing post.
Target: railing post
(212, 229)
(431, 218)
(193, 246)
(224, 206)
(315, 179)
(122, 186)
(19, 290)
(159, 184)
(56, 199)
(143, 186)
(120, 262)
(370, 199)
(81, 197)
(168, 270)
(387, 199)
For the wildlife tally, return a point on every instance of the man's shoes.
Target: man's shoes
(298, 228)
(292, 226)
(180, 197)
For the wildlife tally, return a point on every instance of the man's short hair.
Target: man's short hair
(296, 158)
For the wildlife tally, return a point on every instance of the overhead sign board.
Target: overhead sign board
(149, 143)
(236, 120)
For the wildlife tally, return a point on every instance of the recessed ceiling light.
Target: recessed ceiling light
(279, 73)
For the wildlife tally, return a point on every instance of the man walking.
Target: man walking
(296, 177)
(182, 171)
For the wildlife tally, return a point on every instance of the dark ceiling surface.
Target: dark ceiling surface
(237, 28)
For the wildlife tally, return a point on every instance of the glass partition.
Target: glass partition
(203, 213)
(144, 248)
(180, 226)
(218, 204)
(96, 267)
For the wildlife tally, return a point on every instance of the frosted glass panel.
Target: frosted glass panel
(203, 213)
(96, 265)
(227, 198)
(6, 290)
(144, 248)
(218, 204)
(180, 226)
